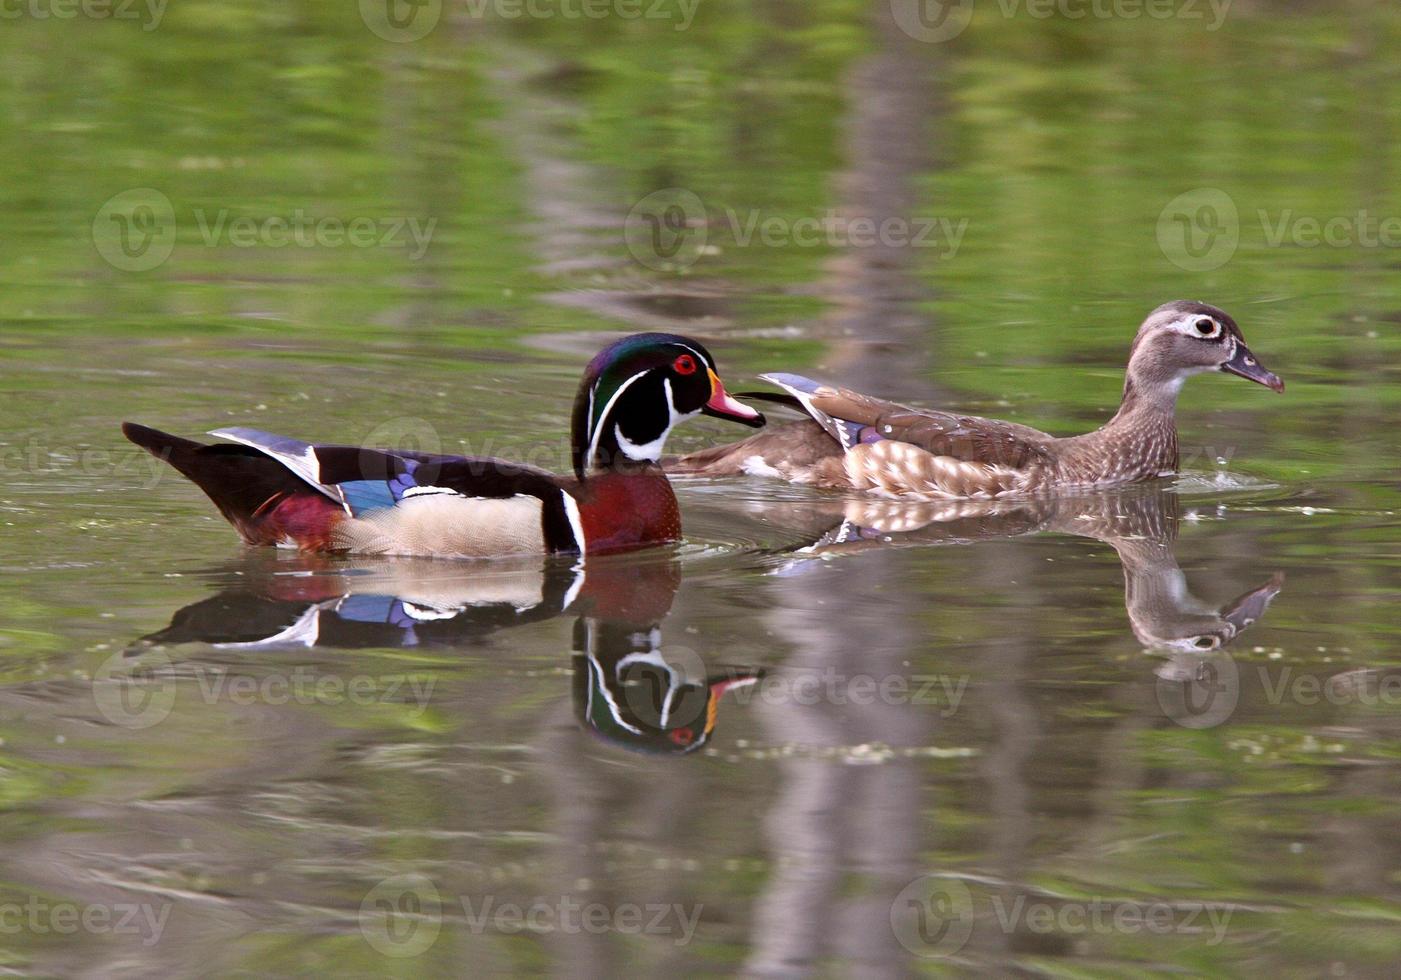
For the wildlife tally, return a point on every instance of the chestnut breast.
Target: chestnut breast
(620, 511)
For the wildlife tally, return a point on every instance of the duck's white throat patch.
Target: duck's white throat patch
(651, 451)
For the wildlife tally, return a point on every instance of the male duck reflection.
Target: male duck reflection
(282, 491)
(1141, 526)
(853, 441)
(629, 688)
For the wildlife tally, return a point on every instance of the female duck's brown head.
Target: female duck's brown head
(1183, 338)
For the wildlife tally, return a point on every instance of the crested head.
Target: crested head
(636, 389)
(635, 694)
(1183, 338)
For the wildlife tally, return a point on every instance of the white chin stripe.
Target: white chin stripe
(651, 451)
(648, 451)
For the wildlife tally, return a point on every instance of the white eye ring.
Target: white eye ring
(1213, 329)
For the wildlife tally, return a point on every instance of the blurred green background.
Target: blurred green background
(1091, 166)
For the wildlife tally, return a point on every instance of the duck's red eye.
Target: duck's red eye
(685, 364)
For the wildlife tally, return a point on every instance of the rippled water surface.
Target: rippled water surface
(1157, 730)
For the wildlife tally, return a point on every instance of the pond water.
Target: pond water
(1157, 730)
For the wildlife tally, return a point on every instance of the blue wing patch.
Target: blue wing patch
(362, 496)
(366, 495)
(366, 608)
(848, 433)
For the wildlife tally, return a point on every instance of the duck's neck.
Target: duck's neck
(1142, 399)
(1138, 443)
(614, 453)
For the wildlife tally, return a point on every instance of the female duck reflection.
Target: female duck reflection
(1140, 525)
(629, 688)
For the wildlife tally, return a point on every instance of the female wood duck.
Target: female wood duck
(1140, 525)
(282, 491)
(853, 441)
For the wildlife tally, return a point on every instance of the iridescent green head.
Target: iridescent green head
(636, 389)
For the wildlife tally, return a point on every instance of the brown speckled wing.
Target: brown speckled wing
(963, 437)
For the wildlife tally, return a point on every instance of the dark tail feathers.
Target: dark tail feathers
(241, 481)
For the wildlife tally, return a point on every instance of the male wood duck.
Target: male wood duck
(634, 693)
(373, 603)
(854, 441)
(629, 688)
(281, 491)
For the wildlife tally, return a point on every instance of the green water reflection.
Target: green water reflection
(381, 240)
